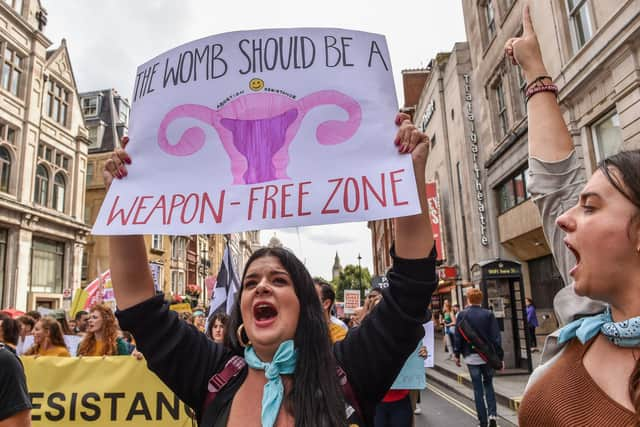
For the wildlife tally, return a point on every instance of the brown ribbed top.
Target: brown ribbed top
(566, 395)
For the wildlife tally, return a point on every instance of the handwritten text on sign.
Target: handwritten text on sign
(262, 129)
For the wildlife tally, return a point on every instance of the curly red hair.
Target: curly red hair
(109, 334)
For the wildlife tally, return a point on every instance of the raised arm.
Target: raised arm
(414, 237)
(130, 273)
(549, 139)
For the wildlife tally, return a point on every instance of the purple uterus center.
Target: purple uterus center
(258, 140)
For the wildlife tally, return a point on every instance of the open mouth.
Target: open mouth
(576, 254)
(264, 313)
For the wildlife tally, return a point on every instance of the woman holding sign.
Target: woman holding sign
(277, 349)
(594, 230)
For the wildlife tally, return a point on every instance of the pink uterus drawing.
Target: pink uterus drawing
(257, 129)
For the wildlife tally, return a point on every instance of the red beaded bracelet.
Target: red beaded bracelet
(541, 88)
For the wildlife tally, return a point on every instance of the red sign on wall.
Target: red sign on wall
(433, 202)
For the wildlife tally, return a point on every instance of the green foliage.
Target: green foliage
(321, 279)
(349, 279)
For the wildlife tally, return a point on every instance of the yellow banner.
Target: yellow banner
(181, 308)
(96, 391)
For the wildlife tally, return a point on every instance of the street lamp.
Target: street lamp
(359, 275)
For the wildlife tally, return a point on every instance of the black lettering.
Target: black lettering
(170, 73)
(35, 405)
(330, 43)
(374, 49)
(191, 71)
(153, 73)
(163, 402)
(90, 406)
(114, 403)
(286, 67)
(309, 63)
(268, 45)
(203, 57)
(345, 45)
(216, 59)
(144, 408)
(72, 406)
(246, 55)
(53, 405)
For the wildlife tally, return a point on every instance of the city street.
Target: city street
(441, 408)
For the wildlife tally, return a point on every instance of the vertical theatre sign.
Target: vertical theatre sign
(477, 181)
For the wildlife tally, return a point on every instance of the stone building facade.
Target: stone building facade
(43, 161)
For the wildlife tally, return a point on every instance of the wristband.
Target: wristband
(542, 88)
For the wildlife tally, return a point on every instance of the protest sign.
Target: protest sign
(184, 307)
(262, 129)
(412, 375)
(429, 342)
(99, 291)
(97, 391)
(351, 300)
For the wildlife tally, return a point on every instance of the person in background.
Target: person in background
(48, 339)
(15, 404)
(61, 316)
(486, 325)
(34, 314)
(327, 297)
(26, 327)
(217, 327)
(199, 320)
(532, 324)
(81, 318)
(102, 337)
(9, 332)
(448, 322)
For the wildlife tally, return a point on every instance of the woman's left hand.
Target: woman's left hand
(423, 352)
(411, 140)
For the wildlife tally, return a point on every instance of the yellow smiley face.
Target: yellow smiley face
(256, 84)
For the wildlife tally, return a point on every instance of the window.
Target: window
(8, 133)
(93, 137)
(40, 195)
(90, 167)
(11, 71)
(580, 21)
(59, 185)
(90, 106)
(84, 272)
(57, 102)
(513, 191)
(501, 108)
(47, 266)
(5, 169)
(607, 136)
(87, 215)
(156, 242)
(490, 17)
(123, 111)
(433, 141)
(177, 282)
(16, 5)
(178, 249)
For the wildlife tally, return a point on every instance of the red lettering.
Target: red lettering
(301, 194)
(206, 201)
(346, 194)
(186, 205)
(395, 180)
(141, 207)
(369, 187)
(335, 190)
(252, 199)
(175, 204)
(120, 212)
(283, 205)
(269, 198)
(160, 204)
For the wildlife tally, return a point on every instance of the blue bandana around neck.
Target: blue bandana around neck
(623, 334)
(284, 362)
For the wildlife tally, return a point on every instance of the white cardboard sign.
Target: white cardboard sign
(262, 129)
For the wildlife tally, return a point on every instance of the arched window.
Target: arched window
(41, 193)
(59, 185)
(5, 169)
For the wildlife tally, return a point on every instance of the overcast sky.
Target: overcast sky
(108, 39)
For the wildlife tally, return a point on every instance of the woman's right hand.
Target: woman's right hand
(525, 50)
(116, 166)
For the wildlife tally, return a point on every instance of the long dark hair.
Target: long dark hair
(316, 398)
(623, 172)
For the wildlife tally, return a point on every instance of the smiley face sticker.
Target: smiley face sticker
(256, 84)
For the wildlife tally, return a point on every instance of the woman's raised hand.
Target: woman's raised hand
(116, 166)
(525, 50)
(410, 140)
